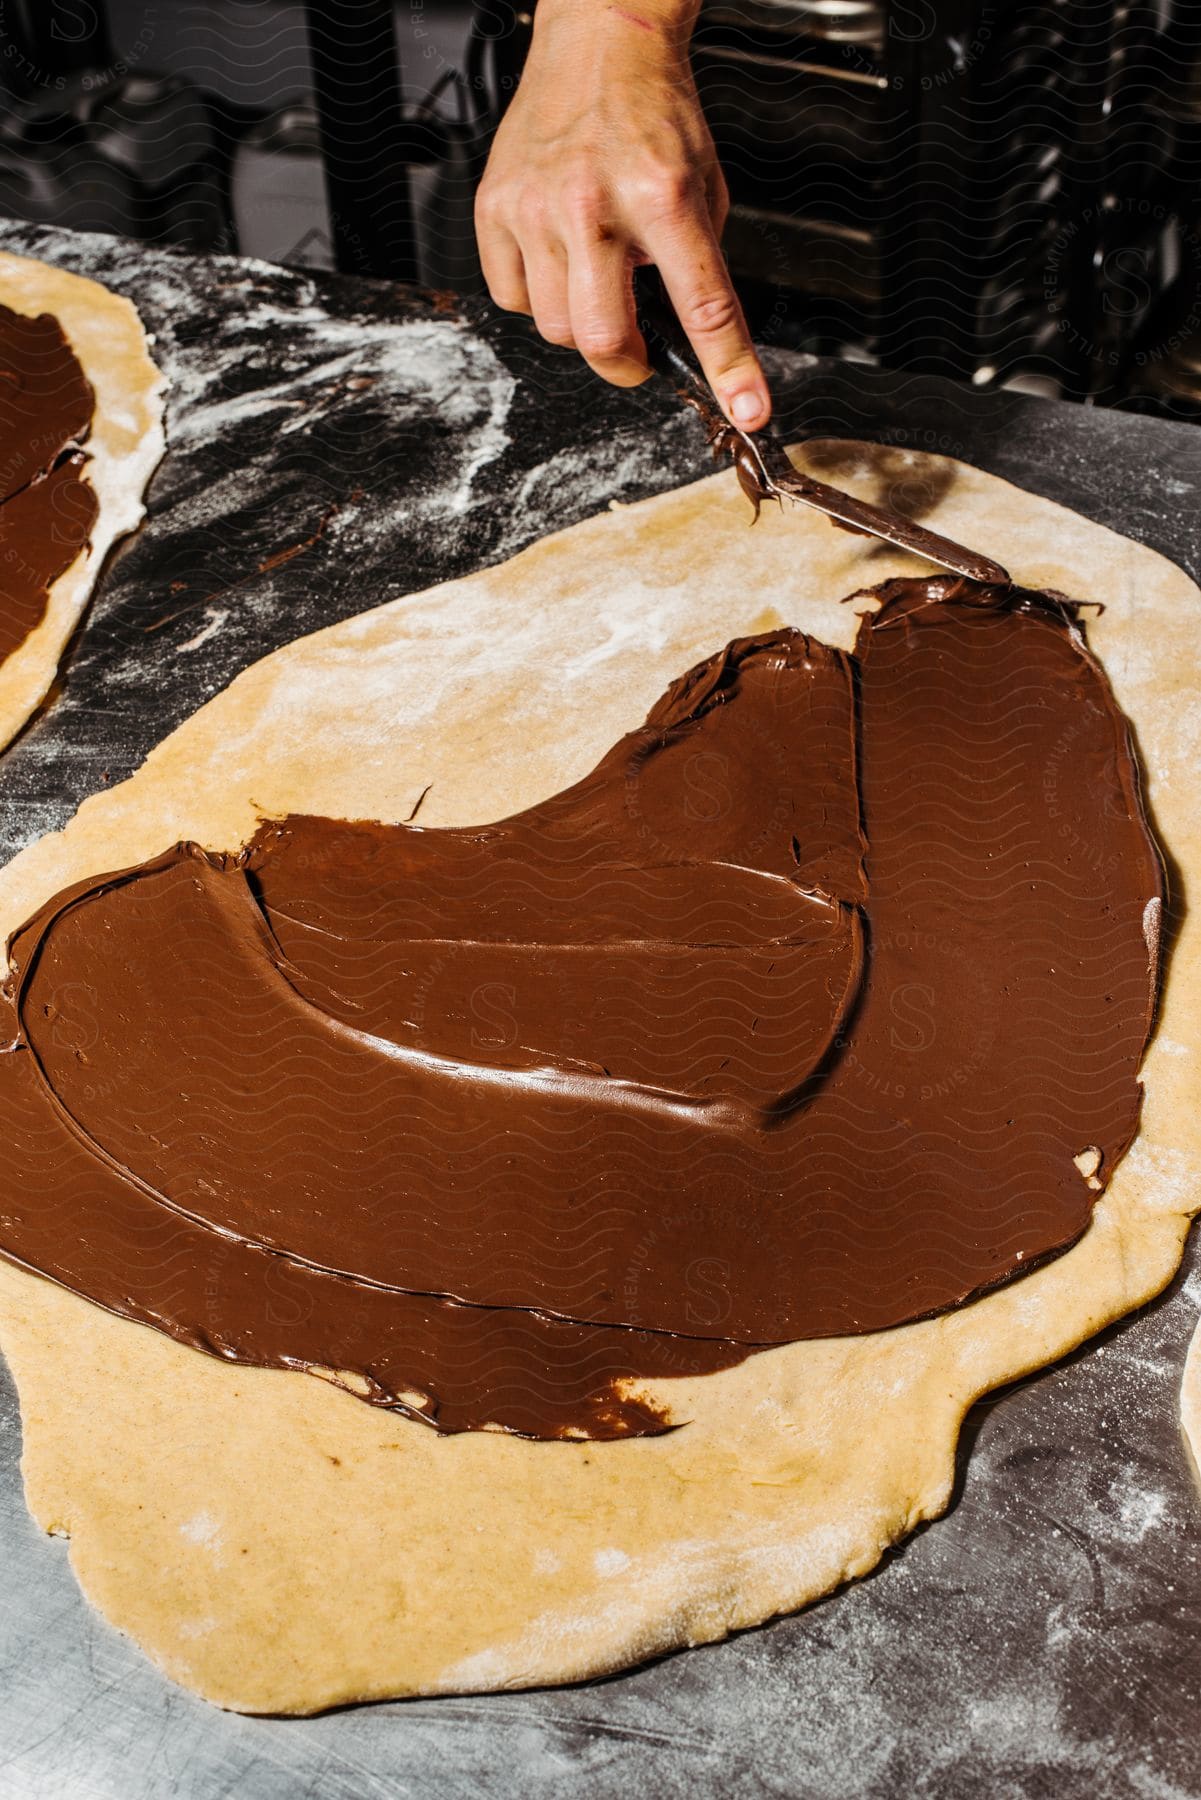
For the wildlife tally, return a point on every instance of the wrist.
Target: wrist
(644, 27)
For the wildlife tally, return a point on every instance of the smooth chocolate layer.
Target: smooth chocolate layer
(47, 507)
(652, 1075)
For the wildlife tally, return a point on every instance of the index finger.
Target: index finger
(690, 261)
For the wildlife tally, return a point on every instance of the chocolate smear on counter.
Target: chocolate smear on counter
(816, 1008)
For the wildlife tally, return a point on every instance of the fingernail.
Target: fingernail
(746, 407)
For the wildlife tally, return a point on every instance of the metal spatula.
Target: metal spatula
(764, 471)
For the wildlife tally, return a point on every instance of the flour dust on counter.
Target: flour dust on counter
(337, 443)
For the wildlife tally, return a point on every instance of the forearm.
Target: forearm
(586, 56)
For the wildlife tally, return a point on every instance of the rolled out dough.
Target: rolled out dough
(277, 1545)
(124, 447)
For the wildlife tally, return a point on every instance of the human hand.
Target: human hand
(603, 161)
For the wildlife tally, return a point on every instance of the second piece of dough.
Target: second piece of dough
(124, 447)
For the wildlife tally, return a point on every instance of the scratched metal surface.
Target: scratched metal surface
(1045, 1638)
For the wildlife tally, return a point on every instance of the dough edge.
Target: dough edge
(278, 1546)
(1190, 1403)
(125, 445)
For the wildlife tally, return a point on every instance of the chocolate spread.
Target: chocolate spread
(47, 507)
(816, 1008)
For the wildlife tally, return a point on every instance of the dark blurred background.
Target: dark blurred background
(1007, 191)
